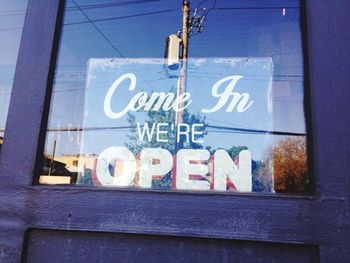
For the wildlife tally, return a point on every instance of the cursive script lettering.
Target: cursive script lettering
(154, 102)
(168, 101)
(240, 101)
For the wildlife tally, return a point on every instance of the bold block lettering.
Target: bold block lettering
(149, 168)
(225, 167)
(190, 162)
(108, 157)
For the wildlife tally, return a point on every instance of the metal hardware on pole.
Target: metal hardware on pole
(183, 73)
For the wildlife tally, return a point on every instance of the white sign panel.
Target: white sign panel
(131, 123)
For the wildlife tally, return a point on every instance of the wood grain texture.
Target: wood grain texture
(329, 67)
(64, 246)
(24, 123)
(242, 217)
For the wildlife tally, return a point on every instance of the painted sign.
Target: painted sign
(130, 122)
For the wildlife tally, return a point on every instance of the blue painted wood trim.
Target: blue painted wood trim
(24, 123)
(322, 219)
(329, 60)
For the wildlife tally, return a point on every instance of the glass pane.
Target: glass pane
(131, 109)
(12, 14)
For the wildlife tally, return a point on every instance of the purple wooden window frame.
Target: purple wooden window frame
(321, 218)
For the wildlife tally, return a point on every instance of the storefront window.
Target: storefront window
(136, 105)
(12, 14)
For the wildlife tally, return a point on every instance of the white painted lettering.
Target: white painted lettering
(194, 132)
(145, 130)
(150, 168)
(241, 101)
(160, 131)
(191, 162)
(224, 167)
(109, 157)
(184, 132)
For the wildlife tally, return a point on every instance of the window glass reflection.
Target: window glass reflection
(12, 14)
(114, 118)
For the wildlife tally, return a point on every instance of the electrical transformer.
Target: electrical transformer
(172, 52)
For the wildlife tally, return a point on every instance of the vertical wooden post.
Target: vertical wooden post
(183, 74)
